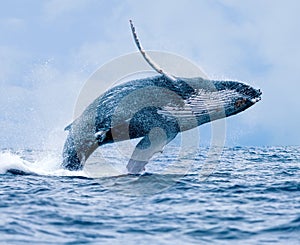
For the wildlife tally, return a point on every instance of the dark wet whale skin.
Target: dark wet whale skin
(131, 110)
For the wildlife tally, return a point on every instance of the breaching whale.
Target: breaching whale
(154, 109)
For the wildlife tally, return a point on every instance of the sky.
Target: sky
(48, 49)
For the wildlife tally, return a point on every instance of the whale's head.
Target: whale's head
(210, 100)
(237, 96)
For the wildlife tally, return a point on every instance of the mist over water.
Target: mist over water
(36, 108)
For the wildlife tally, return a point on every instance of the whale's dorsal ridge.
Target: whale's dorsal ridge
(147, 58)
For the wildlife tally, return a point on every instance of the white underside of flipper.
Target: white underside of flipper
(151, 144)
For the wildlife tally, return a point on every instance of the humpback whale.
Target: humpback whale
(154, 109)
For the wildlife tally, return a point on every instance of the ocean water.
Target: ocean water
(248, 196)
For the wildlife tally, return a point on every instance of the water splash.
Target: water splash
(45, 163)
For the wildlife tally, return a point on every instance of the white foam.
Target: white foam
(49, 164)
(9, 161)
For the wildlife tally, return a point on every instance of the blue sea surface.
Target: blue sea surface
(250, 196)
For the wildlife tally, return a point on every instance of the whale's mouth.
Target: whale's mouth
(247, 94)
(257, 96)
(248, 97)
(255, 100)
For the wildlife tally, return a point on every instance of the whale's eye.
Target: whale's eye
(240, 103)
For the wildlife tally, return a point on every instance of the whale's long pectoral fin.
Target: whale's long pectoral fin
(142, 153)
(145, 149)
(147, 58)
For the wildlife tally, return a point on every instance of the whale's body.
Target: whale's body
(154, 109)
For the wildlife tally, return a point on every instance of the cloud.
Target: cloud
(277, 41)
(56, 8)
(12, 24)
(12, 60)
